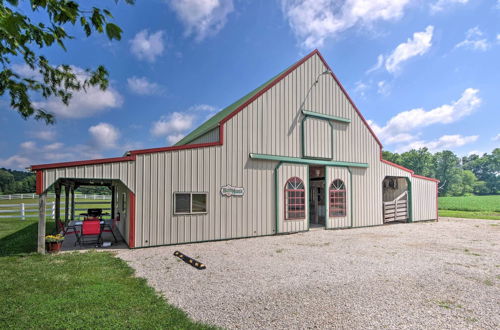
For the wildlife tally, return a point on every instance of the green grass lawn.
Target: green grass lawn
(75, 290)
(482, 207)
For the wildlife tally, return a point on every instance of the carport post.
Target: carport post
(58, 205)
(42, 199)
(113, 201)
(66, 203)
(72, 202)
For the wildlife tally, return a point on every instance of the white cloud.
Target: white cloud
(177, 124)
(408, 121)
(444, 142)
(360, 88)
(83, 103)
(46, 134)
(498, 37)
(496, 137)
(142, 86)
(378, 65)
(473, 40)
(172, 124)
(202, 18)
(418, 45)
(383, 88)
(147, 46)
(53, 146)
(440, 5)
(314, 21)
(173, 139)
(104, 136)
(15, 162)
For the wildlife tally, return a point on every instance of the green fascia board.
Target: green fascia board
(323, 116)
(214, 121)
(296, 160)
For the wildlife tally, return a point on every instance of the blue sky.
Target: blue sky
(424, 73)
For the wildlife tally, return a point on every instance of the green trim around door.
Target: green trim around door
(296, 160)
(410, 205)
(308, 113)
(277, 192)
(350, 197)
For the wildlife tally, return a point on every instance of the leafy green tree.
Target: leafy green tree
(6, 179)
(468, 182)
(486, 168)
(420, 161)
(393, 157)
(448, 171)
(23, 39)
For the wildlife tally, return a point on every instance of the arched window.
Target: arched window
(337, 199)
(295, 199)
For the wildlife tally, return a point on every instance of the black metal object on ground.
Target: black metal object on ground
(189, 260)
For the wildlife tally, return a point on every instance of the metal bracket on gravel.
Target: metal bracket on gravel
(188, 260)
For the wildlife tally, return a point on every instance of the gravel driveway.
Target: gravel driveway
(442, 274)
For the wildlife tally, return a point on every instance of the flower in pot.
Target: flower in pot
(53, 243)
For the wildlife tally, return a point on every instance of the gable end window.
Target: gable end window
(190, 203)
(295, 199)
(337, 199)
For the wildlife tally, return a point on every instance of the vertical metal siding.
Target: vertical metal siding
(317, 138)
(208, 137)
(123, 171)
(424, 199)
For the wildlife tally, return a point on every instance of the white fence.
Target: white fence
(25, 211)
(52, 195)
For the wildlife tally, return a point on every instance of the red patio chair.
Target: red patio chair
(91, 228)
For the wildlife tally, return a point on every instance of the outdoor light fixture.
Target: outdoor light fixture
(314, 84)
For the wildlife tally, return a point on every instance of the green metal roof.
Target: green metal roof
(323, 116)
(213, 122)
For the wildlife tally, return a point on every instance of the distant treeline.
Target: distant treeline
(17, 182)
(472, 174)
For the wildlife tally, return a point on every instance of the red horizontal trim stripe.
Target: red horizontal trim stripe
(396, 165)
(183, 147)
(425, 178)
(83, 162)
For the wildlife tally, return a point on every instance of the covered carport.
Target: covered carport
(116, 173)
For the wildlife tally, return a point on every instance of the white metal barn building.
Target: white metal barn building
(293, 154)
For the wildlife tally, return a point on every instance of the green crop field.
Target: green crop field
(482, 207)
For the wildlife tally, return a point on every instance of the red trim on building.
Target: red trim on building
(131, 219)
(174, 148)
(83, 162)
(396, 165)
(39, 182)
(425, 178)
(348, 97)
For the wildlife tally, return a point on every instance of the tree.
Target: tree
(6, 179)
(20, 38)
(393, 157)
(446, 165)
(468, 183)
(486, 168)
(420, 161)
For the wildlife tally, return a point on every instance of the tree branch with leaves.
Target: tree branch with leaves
(22, 39)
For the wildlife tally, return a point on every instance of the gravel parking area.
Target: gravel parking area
(442, 275)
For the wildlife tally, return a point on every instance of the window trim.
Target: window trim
(286, 204)
(335, 202)
(191, 193)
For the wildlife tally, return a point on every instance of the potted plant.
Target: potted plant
(53, 243)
